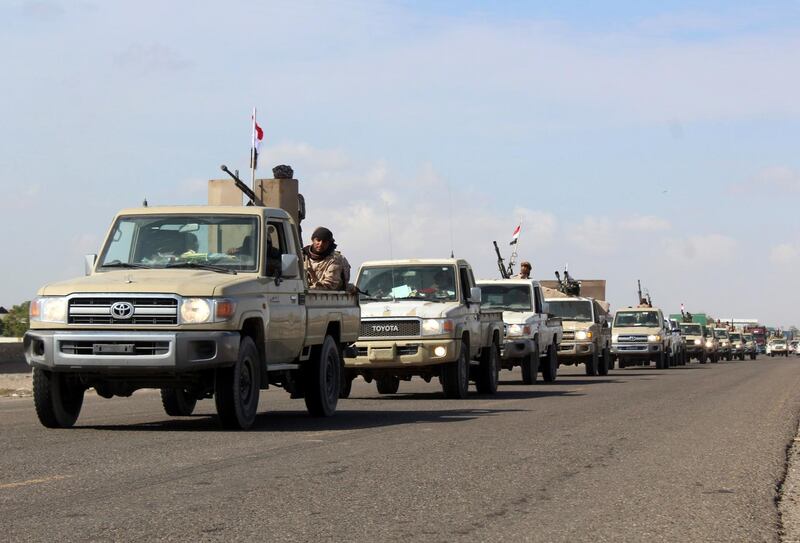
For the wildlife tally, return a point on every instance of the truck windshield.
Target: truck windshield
(226, 242)
(720, 334)
(432, 283)
(691, 329)
(636, 318)
(506, 297)
(571, 310)
(748, 337)
(736, 337)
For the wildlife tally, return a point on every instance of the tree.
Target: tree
(16, 322)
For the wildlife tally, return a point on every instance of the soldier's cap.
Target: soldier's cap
(322, 234)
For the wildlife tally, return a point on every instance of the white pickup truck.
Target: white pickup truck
(424, 318)
(532, 335)
(199, 302)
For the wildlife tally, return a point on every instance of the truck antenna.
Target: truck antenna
(254, 200)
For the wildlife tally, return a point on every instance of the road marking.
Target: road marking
(34, 481)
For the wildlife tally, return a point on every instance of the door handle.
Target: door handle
(275, 299)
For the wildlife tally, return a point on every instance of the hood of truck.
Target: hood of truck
(638, 330)
(182, 282)
(411, 308)
(518, 317)
(575, 326)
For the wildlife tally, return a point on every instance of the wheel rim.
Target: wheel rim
(330, 376)
(246, 382)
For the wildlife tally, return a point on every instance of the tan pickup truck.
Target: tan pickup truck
(424, 318)
(587, 332)
(198, 301)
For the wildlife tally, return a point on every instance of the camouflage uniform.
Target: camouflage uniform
(329, 273)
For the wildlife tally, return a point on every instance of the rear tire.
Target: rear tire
(530, 366)
(58, 402)
(387, 384)
(177, 403)
(661, 361)
(550, 368)
(237, 388)
(489, 370)
(323, 380)
(455, 376)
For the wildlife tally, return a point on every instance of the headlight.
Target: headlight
(195, 311)
(49, 309)
(724, 343)
(653, 338)
(698, 342)
(436, 327)
(583, 334)
(709, 343)
(518, 330)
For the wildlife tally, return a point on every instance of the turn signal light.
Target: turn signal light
(225, 309)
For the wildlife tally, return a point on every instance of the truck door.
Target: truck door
(286, 316)
(473, 323)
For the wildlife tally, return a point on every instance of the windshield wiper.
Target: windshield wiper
(201, 266)
(125, 265)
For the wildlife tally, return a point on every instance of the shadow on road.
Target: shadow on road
(300, 421)
(502, 394)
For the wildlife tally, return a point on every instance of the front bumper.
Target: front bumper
(402, 353)
(120, 351)
(516, 348)
(636, 349)
(575, 349)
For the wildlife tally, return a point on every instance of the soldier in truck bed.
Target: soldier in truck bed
(325, 267)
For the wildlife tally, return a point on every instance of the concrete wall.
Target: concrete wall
(11, 349)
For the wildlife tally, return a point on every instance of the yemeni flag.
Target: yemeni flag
(515, 235)
(255, 145)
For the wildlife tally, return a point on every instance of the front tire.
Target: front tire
(489, 370)
(592, 364)
(323, 379)
(530, 366)
(58, 401)
(237, 388)
(661, 361)
(550, 368)
(455, 376)
(605, 363)
(177, 402)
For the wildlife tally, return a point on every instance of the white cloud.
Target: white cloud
(785, 253)
(594, 235)
(708, 248)
(645, 223)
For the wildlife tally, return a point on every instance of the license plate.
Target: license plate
(113, 348)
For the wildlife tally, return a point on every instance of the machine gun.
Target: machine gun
(504, 273)
(644, 300)
(254, 200)
(568, 285)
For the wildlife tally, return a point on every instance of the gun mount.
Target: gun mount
(505, 273)
(568, 285)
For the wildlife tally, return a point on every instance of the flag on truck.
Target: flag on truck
(255, 146)
(515, 235)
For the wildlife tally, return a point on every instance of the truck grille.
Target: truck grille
(147, 310)
(389, 328)
(137, 348)
(569, 334)
(632, 339)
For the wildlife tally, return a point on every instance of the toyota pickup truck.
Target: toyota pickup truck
(638, 337)
(531, 334)
(424, 318)
(695, 341)
(199, 302)
(725, 346)
(587, 333)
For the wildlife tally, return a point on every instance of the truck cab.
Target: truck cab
(711, 345)
(695, 341)
(723, 338)
(639, 337)
(737, 345)
(424, 318)
(531, 335)
(199, 302)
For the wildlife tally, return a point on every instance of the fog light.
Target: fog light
(440, 351)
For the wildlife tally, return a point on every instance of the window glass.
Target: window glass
(434, 283)
(276, 246)
(506, 297)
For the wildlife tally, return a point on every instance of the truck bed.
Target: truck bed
(319, 306)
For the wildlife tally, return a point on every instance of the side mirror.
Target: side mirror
(88, 263)
(475, 295)
(289, 266)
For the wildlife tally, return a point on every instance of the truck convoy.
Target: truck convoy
(424, 318)
(199, 302)
(532, 336)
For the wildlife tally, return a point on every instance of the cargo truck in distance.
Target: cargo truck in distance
(199, 302)
(639, 336)
(424, 318)
(532, 335)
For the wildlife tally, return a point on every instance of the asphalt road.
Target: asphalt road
(686, 454)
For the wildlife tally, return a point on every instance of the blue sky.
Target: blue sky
(653, 141)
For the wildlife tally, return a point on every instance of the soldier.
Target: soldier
(524, 270)
(326, 268)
